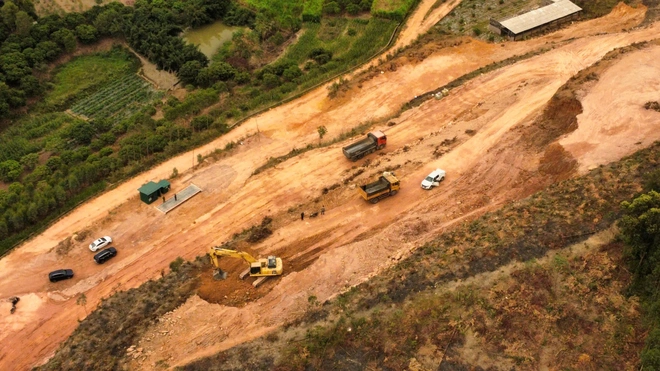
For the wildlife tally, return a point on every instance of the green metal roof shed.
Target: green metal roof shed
(152, 190)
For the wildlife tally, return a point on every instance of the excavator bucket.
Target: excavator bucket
(219, 274)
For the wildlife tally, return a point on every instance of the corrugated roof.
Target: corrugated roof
(540, 16)
(152, 187)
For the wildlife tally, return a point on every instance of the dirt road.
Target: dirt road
(354, 240)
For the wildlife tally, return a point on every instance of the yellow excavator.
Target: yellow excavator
(260, 268)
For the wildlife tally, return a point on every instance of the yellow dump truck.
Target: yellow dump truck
(387, 185)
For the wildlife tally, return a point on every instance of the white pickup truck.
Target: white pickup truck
(433, 179)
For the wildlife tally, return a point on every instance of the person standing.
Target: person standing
(175, 197)
(302, 216)
(323, 210)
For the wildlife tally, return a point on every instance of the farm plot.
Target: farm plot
(118, 99)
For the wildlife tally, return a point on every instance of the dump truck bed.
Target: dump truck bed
(375, 187)
(358, 147)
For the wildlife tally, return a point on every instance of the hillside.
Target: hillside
(545, 110)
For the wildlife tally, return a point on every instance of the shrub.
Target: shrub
(176, 264)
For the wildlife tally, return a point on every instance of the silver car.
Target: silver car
(100, 243)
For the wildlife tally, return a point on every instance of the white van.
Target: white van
(433, 179)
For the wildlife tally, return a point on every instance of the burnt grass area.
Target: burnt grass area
(101, 340)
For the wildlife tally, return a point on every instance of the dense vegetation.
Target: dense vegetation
(640, 230)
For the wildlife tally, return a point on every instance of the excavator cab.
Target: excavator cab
(272, 262)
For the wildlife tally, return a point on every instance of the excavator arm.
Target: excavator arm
(217, 252)
(262, 268)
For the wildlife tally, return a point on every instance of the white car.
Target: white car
(100, 243)
(433, 179)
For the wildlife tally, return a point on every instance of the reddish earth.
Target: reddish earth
(354, 240)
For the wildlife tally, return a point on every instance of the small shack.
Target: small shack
(151, 191)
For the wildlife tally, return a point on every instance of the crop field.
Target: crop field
(118, 99)
(280, 8)
(347, 39)
(393, 9)
(85, 74)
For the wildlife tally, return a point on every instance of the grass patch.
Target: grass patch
(85, 74)
(281, 9)
(392, 9)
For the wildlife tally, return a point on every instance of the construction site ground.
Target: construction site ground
(474, 134)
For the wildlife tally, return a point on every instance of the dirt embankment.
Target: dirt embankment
(486, 165)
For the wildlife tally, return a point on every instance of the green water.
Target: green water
(210, 37)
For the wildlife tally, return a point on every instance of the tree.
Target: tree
(4, 229)
(65, 38)
(32, 212)
(87, 34)
(271, 80)
(221, 71)
(30, 85)
(15, 66)
(331, 8)
(49, 49)
(23, 24)
(10, 170)
(201, 122)
(640, 230)
(8, 15)
(321, 55)
(189, 71)
(82, 132)
(30, 160)
(73, 183)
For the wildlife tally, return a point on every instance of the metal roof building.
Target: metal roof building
(525, 24)
(151, 191)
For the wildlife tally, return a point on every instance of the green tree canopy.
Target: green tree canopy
(640, 230)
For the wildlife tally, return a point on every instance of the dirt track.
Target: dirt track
(354, 240)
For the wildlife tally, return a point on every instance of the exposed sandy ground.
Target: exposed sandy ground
(422, 19)
(623, 117)
(354, 240)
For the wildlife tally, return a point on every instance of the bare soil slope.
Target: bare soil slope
(353, 240)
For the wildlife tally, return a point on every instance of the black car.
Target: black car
(60, 274)
(104, 255)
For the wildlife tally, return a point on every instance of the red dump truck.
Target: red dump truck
(374, 141)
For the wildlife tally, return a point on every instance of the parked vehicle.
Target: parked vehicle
(104, 255)
(374, 141)
(387, 185)
(60, 274)
(100, 243)
(433, 179)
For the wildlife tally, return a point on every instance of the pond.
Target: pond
(210, 37)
